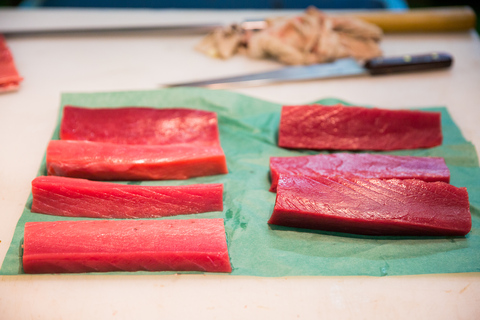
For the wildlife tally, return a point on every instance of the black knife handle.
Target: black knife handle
(408, 63)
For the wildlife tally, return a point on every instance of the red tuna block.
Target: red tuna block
(125, 245)
(9, 77)
(107, 161)
(139, 125)
(360, 165)
(372, 206)
(357, 128)
(72, 197)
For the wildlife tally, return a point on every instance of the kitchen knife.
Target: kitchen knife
(340, 68)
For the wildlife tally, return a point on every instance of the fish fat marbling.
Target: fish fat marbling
(72, 197)
(372, 206)
(340, 127)
(362, 165)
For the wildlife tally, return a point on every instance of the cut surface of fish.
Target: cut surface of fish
(372, 206)
(139, 125)
(362, 165)
(72, 197)
(125, 245)
(108, 161)
(340, 127)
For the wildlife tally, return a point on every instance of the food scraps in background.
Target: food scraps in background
(109, 161)
(372, 206)
(139, 125)
(9, 76)
(361, 165)
(83, 198)
(313, 37)
(125, 245)
(357, 128)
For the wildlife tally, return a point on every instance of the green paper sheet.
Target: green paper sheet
(248, 134)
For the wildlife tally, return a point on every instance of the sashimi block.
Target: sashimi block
(125, 245)
(372, 206)
(9, 77)
(107, 161)
(357, 128)
(72, 197)
(360, 165)
(139, 125)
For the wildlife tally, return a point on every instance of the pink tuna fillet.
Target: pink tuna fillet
(107, 161)
(135, 125)
(362, 165)
(125, 245)
(356, 128)
(372, 206)
(83, 198)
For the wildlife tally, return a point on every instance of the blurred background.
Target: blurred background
(245, 4)
(474, 4)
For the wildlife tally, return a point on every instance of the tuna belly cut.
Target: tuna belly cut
(139, 125)
(372, 206)
(73, 197)
(107, 161)
(362, 165)
(125, 245)
(357, 128)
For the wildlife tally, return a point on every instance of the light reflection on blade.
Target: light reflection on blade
(340, 68)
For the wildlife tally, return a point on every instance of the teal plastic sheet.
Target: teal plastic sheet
(248, 134)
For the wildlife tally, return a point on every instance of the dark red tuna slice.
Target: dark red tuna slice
(357, 128)
(372, 206)
(139, 125)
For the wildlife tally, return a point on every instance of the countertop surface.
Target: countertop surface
(53, 64)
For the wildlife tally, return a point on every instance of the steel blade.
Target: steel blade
(340, 68)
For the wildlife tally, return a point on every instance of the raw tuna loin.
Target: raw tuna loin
(372, 206)
(125, 245)
(107, 161)
(139, 125)
(360, 165)
(9, 77)
(357, 128)
(72, 197)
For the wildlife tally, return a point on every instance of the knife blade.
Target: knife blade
(346, 67)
